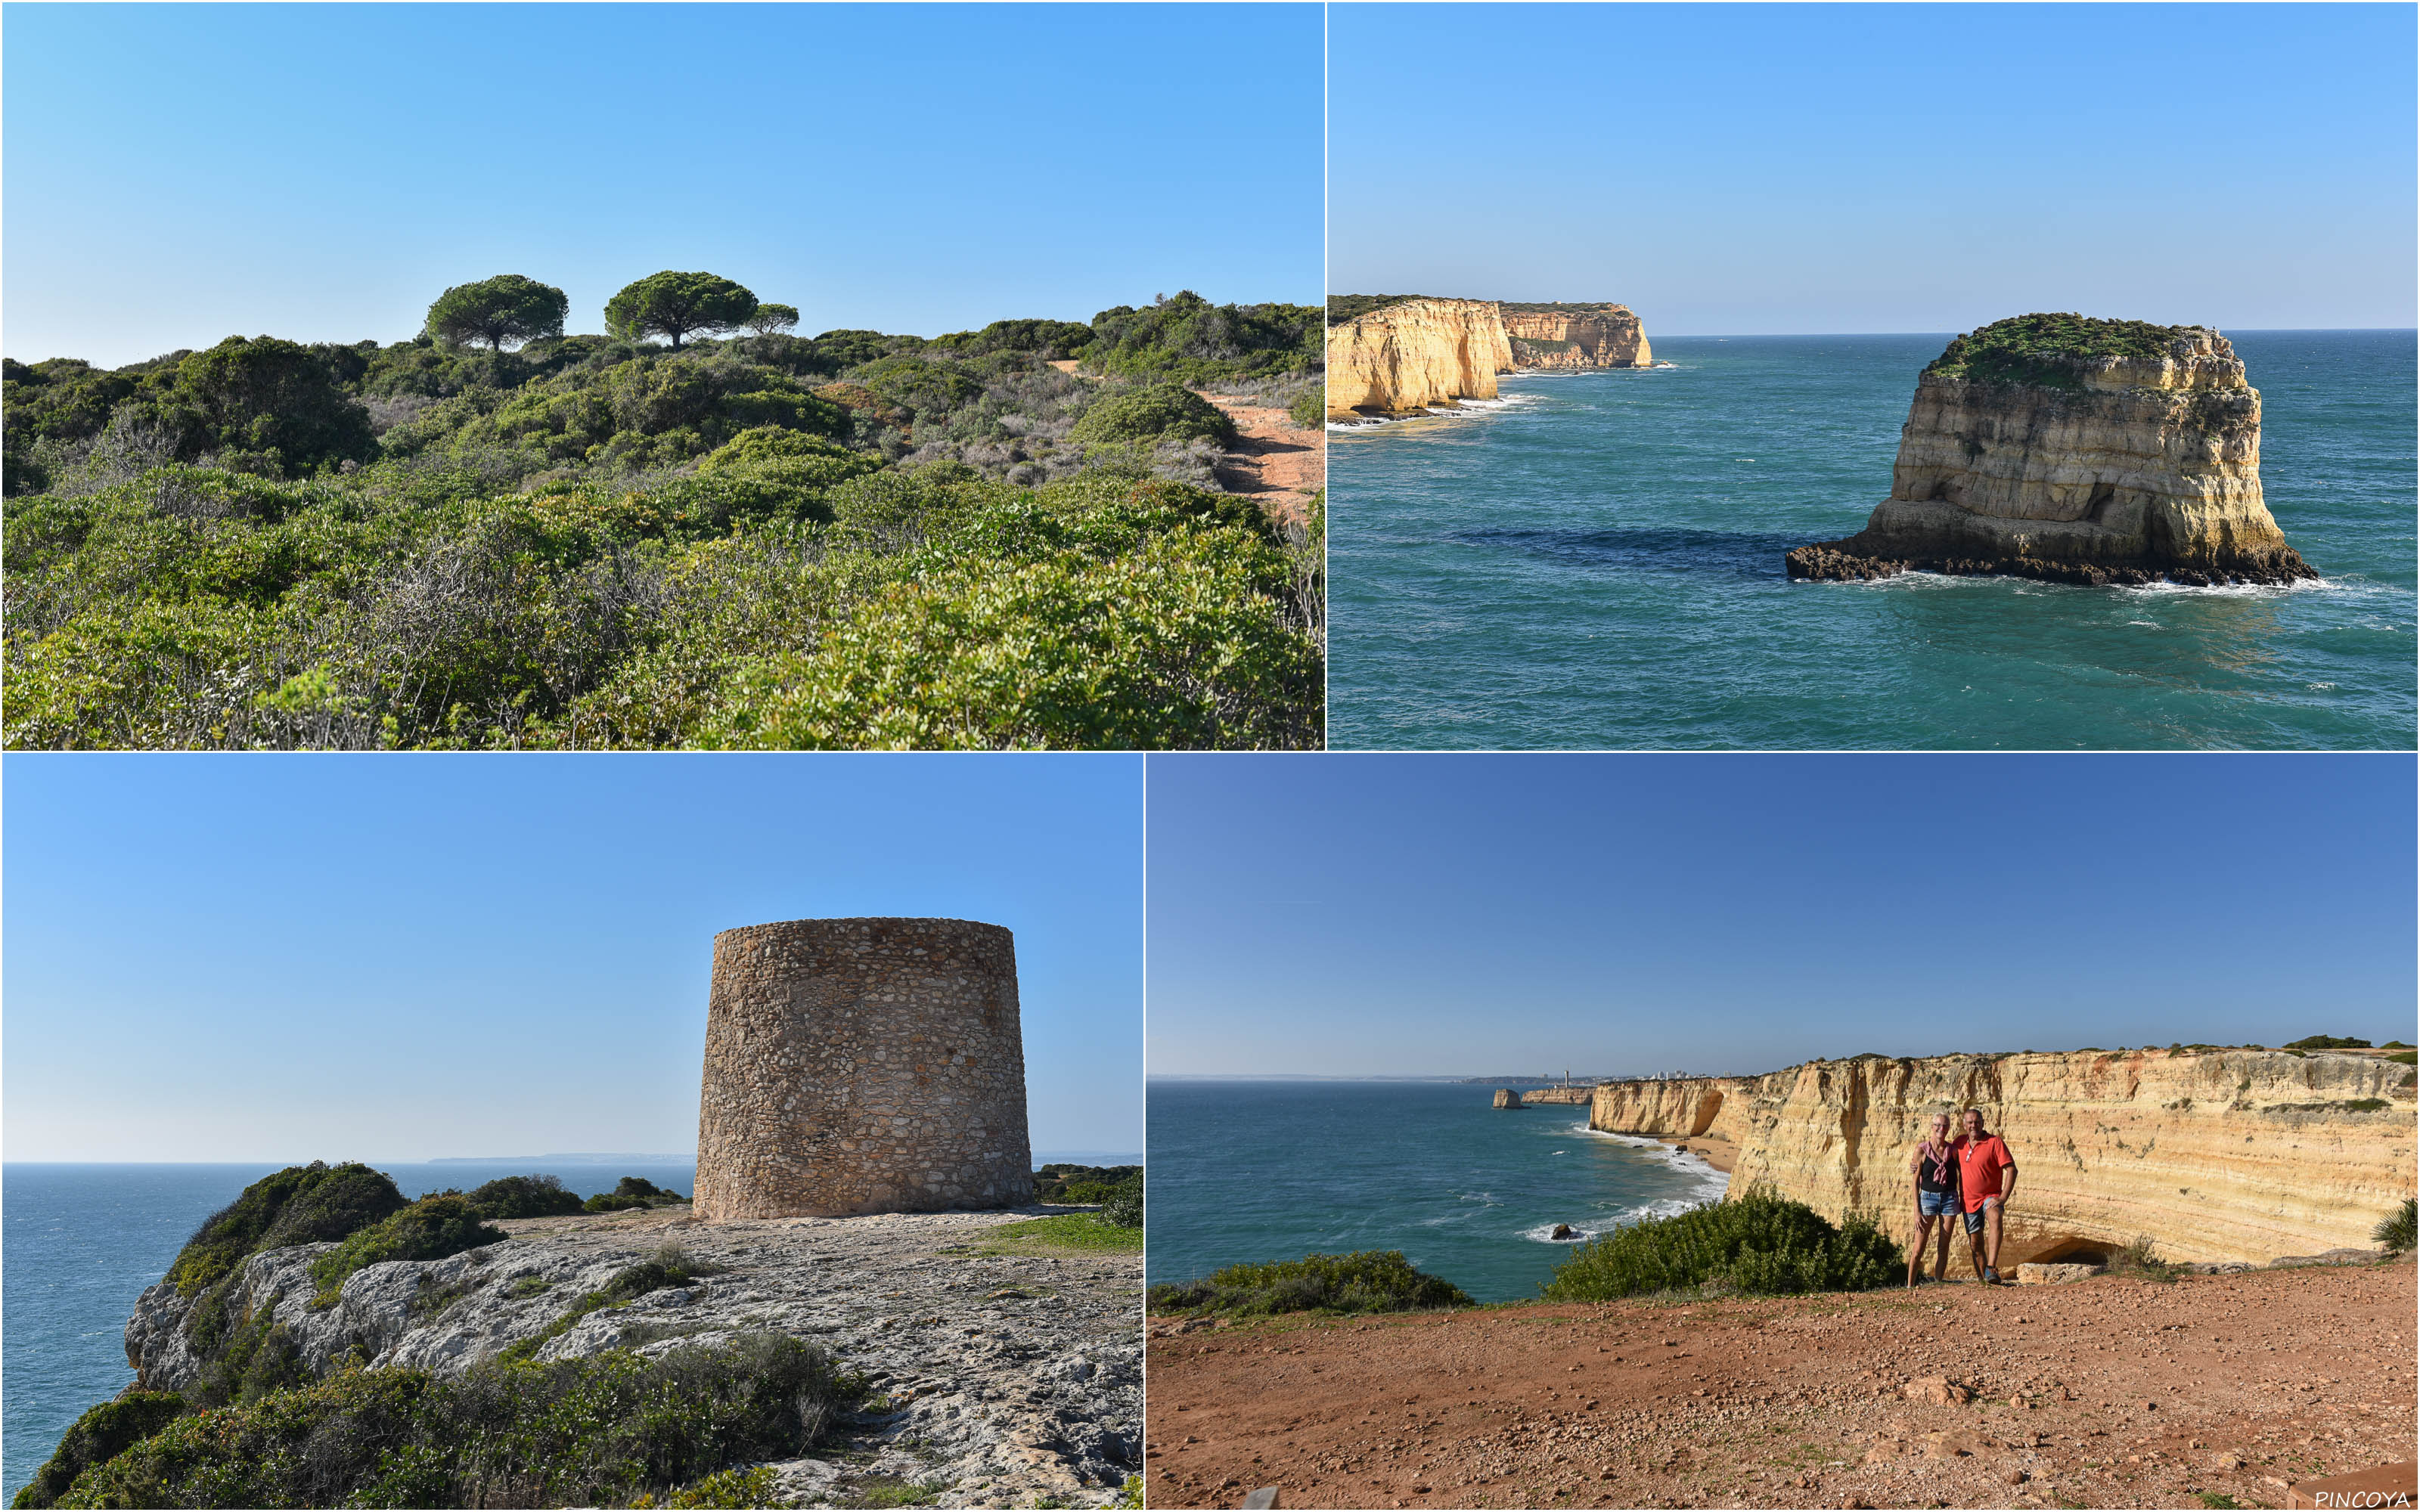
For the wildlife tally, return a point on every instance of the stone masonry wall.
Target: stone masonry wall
(863, 1065)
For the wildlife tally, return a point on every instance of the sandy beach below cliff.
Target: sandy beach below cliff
(2111, 1392)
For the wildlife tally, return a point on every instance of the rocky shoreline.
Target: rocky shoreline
(1837, 562)
(1004, 1371)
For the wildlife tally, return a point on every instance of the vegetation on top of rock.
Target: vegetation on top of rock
(299, 1205)
(1344, 307)
(1154, 412)
(508, 307)
(591, 1432)
(1761, 1244)
(1367, 1281)
(1051, 1183)
(670, 1266)
(428, 1229)
(523, 1197)
(2397, 1229)
(592, 541)
(2046, 350)
(2326, 1041)
(101, 1435)
(1186, 339)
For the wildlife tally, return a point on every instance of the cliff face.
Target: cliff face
(1406, 356)
(2094, 470)
(2237, 1155)
(1576, 336)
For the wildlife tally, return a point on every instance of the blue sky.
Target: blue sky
(177, 174)
(264, 958)
(1493, 915)
(1729, 169)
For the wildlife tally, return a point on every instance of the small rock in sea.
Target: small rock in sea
(1562, 1231)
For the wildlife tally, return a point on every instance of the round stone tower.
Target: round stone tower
(861, 1065)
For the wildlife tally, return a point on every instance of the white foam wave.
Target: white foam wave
(1709, 1182)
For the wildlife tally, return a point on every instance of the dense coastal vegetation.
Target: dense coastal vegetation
(698, 530)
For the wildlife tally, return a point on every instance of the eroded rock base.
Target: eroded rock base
(1838, 561)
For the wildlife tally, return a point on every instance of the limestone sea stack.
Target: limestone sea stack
(1398, 356)
(1506, 1098)
(1575, 336)
(2077, 451)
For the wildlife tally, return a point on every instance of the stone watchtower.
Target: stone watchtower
(863, 1065)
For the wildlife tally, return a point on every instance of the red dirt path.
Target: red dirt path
(2128, 1393)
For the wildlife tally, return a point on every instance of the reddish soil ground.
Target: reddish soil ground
(1272, 462)
(2110, 1392)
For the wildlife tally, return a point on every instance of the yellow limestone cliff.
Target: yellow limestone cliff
(2242, 1155)
(1576, 336)
(2089, 469)
(1403, 356)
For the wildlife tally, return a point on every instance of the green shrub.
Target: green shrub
(1154, 412)
(300, 1205)
(2326, 1041)
(102, 1434)
(429, 1230)
(723, 1489)
(523, 1197)
(1368, 1281)
(1052, 1182)
(1310, 408)
(2394, 1230)
(2405, 1057)
(1186, 339)
(592, 1432)
(2046, 350)
(1761, 1243)
(2395, 1044)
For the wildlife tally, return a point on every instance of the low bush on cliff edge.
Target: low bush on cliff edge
(523, 1197)
(1761, 1243)
(2041, 349)
(1367, 1281)
(592, 1432)
(102, 1434)
(429, 1230)
(299, 1205)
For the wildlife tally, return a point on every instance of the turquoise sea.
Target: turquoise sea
(1595, 561)
(1274, 1171)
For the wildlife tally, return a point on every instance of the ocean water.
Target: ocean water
(79, 1242)
(1258, 1171)
(1595, 560)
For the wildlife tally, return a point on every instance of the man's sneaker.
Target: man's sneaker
(1991, 1278)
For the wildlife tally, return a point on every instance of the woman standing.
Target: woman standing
(1934, 1165)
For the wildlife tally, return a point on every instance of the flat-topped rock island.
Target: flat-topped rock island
(2079, 451)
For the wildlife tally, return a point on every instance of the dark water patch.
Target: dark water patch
(1670, 549)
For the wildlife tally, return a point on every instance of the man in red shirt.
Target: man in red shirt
(1987, 1177)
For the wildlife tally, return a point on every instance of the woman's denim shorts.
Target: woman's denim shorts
(1936, 1204)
